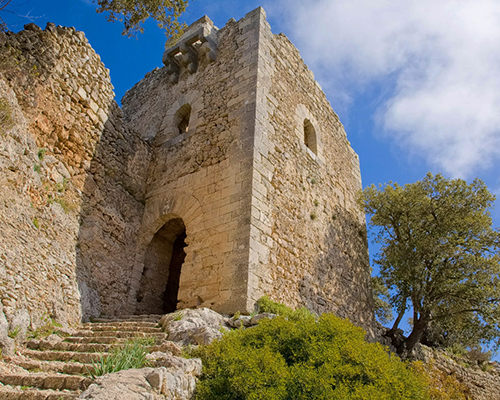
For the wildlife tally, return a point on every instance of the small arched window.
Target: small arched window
(181, 119)
(310, 136)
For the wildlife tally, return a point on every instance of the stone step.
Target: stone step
(94, 325)
(69, 368)
(18, 393)
(122, 318)
(68, 346)
(122, 328)
(43, 380)
(95, 339)
(122, 334)
(65, 347)
(47, 355)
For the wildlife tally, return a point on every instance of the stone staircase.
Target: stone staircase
(60, 368)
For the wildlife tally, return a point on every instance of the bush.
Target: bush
(266, 305)
(303, 360)
(442, 386)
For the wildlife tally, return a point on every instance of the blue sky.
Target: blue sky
(416, 84)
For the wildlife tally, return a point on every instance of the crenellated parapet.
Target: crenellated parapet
(196, 48)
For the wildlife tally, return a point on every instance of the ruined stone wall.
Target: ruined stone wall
(308, 236)
(68, 180)
(482, 382)
(203, 175)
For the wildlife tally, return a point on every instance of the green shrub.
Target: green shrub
(303, 360)
(41, 153)
(265, 304)
(131, 355)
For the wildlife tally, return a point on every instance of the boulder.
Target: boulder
(191, 366)
(7, 344)
(142, 384)
(19, 324)
(199, 326)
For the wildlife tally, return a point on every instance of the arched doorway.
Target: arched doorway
(160, 278)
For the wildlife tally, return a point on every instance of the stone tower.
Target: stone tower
(252, 182)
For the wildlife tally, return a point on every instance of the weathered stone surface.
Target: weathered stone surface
(191, 366)
(483, 385)
(7, 344)
(124, 385)
(198, 326)
(19, 324)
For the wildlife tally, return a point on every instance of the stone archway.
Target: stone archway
(159, 284)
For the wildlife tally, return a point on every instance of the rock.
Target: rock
(259, 317)
(199, 326)
(19, 324)
(7, 345)
(144, 383)
(191, 366)
(170, 347)
(130, 384)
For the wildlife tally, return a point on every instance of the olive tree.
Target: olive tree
(439, 258)
(133, 13)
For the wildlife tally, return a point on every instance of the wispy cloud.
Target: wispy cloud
(440, 59)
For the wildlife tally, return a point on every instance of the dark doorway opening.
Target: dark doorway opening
(159, 286)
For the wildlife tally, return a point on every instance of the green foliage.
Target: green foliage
(313, 216)
(266, 305)
(37, 168)
(383, 310)
(14, 333)
(441, 385)
(49, 328)
(36, 224)
(133, 13)
(439, 257)
(303, 360)
(41, 153)
(131, 355)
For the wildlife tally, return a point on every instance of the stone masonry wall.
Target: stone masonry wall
(308, 236)
(56, 155)
(203, 175)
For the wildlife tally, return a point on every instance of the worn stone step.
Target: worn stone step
(47, 355)
(95, 339)
(43, 380)
(123, 328)
(69, 368)
(93, 325)
(18, 393)
(122, 334)
(121, 318)
(68, 346)
(80, 347)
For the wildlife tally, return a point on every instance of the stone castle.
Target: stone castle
(225, 176)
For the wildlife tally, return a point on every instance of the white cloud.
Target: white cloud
(441, 60)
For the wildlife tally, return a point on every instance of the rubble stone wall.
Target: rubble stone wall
(482, 383)
(70, 188)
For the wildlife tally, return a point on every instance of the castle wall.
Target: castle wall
(308, 237)
(71, 194)
(204, 175)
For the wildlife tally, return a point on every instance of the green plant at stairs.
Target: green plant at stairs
(131, 355)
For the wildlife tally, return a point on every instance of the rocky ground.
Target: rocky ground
(60, 366)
